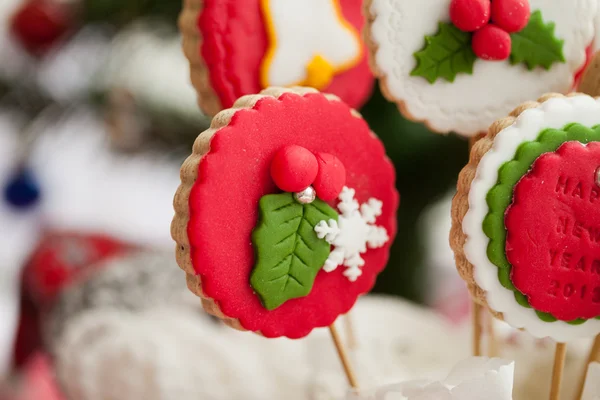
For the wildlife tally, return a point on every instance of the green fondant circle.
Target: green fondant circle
(501, 195)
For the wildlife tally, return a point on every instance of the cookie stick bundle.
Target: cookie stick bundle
(285, 214)
(462, 64)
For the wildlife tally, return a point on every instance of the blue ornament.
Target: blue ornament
(22, 190)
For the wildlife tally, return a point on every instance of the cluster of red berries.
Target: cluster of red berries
(294, 168)
(491, 23)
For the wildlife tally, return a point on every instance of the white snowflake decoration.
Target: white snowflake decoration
(352, 233)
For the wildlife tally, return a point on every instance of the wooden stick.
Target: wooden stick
(593, 356)
(343, 357)
(492, 343)
(350, 332)
(477, 331)
(557, 371)
(476, 309)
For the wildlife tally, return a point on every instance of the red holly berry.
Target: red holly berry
(491, 43)
(39, 24)
(331, 177)
(470, 15)
(294, 168)
(511, 15)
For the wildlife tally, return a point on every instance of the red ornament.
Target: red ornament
(331, 177)
(294, 168)
(553, 233)
(491, 43)
(511, 15)
(470, 15)
(62, 259)
(39, 24)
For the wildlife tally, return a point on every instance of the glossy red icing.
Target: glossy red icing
(492, 43)
(331, 177)
(235, 42)
(234, 175)
(470, 15)
(553, 233)
(511, 15)
(294, 168)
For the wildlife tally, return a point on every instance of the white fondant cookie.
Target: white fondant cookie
(449, 85)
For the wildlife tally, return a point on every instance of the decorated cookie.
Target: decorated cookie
(458, 65)
(286, 212)
(238, 49)
(526, 226)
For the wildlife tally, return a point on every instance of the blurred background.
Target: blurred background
(96, 116)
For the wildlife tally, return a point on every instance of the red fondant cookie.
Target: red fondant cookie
(240, 48)
(280, 263)
(553, 233)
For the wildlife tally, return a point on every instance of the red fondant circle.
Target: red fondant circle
(294, 168)
(234, 175)
(491, 43)
(234, 43)
(553, 233)
(331, 177)
(470, 15)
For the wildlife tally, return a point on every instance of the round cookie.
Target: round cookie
(238, 49)
(275, 262)
(458, 81)
(525, 227)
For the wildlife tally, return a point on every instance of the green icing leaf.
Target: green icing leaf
(445, 55)
(288, 252)
(500, 197)
(536, 45)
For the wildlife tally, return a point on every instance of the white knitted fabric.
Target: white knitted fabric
(142, 280)
(161, 354)
(178, 354)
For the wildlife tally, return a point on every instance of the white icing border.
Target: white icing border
(554, 113)
(471, 103)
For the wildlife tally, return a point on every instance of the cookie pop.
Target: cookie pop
(239, 48)
(459, 65)
(525, 221)
(286, 213)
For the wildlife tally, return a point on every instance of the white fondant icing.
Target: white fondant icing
(554, 113)
(352, 234)
(303, 30)
(470, 104)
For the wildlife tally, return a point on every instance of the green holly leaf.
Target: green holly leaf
(446, 54)
(288, 252)
(536, 45)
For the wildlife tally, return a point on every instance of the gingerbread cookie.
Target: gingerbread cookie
(526, 226)
(237, 49)
(286, 212)
(458, 65)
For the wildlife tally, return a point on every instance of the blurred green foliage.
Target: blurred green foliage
(427, 166)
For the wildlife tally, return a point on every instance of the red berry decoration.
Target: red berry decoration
(511, 15)
(491, 43)
(39, 24)
(470, 15)
(331, 177)
(294, 168)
